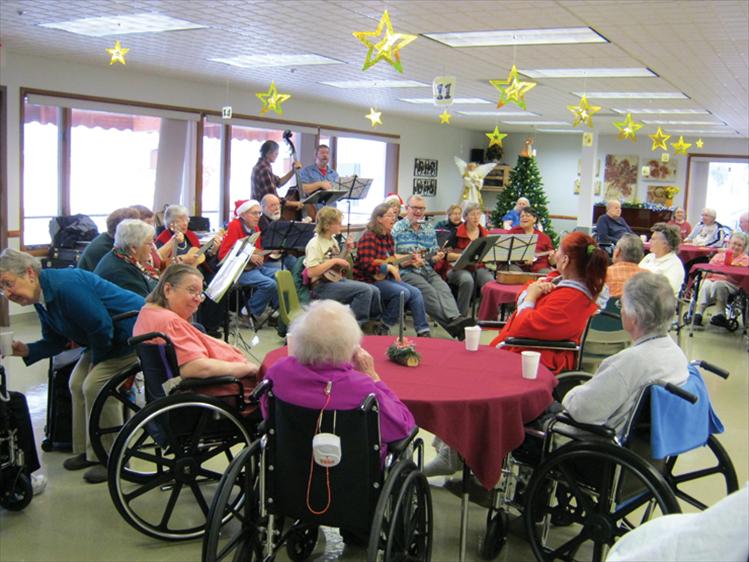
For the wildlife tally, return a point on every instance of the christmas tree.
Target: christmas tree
(525, 181)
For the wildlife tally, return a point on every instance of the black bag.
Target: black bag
(58, 258)
(58, 431)
(66, 232)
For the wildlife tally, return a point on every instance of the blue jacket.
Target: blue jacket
(78, 306)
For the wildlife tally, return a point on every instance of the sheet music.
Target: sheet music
(512, 248)
(233, 266)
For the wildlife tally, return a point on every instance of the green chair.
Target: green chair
(605, 336)
(288, 299)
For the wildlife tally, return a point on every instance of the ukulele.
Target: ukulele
(198, 254)
(335, 273)
(392, 260)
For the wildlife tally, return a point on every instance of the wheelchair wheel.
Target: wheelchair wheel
(732, 325)
(607, 491)
(167, 461)
(115, 389)
(301, 541)
(402, 523)
(723, 472)
(19, 494)
(568, 381)
(496, 535)
(233, 531)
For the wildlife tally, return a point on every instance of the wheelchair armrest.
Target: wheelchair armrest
(722, 373)
(598, 430)
(491, 323)
(397, 447)
(125, 315)
(541, 344)
(196, 383)
(135, 340)
(262, 388)
(609, 314)
(681, 393)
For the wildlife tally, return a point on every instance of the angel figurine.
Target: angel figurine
(473, 179)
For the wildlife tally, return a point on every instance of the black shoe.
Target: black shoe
(698, 319)
(719, 320)
(381, 329)
(77, 462)
(424, 334)
(96, 474)
(456, 327)
(260, 320)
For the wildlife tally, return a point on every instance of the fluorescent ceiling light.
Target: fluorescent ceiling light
(464, 101)
(588, 72)
(632, 95)
(535, 122)
(576, 131)
(353, 84)
(122, 25)
(645, 110)
(518, 37)
(668, 122)
(701, 132)
(496, 113)
(253, 61)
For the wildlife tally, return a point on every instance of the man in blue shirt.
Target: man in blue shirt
(318, 175)
(512, 217)
(611, 226)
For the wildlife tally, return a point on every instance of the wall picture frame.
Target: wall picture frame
(620, 176)
(427, 187)
(660, 171)
(426, 168)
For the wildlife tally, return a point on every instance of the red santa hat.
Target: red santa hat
(394, 197)
(244, 205)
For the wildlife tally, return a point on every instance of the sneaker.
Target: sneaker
(38, 483)
(382, 329)
(719, 320)
(77, 462)
(260, 320)
(424, 334)
(444, 464)
(96, 474)
(698, 319)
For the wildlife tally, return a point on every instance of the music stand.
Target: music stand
(357, 189)
(512, 247)
(476, 251)
(286, 236)
(231, 268)
(325, 196)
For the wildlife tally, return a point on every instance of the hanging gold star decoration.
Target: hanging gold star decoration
(272, 100)
(374, 116)
(512, 90)
(445, 117)
(387, 47)
(659, 140)
(117, 53)
(495, 137)
(628, 128)
(681, 146)
(699, 143)
(584, 112)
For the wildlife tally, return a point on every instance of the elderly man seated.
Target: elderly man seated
(648, 307)
(716, 288)
(511, 218)
(628, 254)
(708, 232)
(611, 226)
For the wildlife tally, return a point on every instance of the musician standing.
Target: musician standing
(318, 175)
(264, 181)
(271, 208)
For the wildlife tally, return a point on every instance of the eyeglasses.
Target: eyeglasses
(194, 293)
(255, 213)
(421, 209)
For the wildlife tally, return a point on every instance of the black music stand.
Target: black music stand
(286, 236)
(475, 252)
(510, 248)
(325, 196)
(356, 189)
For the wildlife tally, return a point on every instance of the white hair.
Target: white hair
(325, 333)
(132, 233)
(173, 212)
(414, 197)
(469, 207)
(649, 301)
(612, 202)
(17, 263)
(528, 203)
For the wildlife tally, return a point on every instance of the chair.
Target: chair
(286, 503)
(288, 300)
(605, 336)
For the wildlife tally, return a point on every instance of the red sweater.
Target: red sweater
(544, 244)
(561, 314)
(236, 231)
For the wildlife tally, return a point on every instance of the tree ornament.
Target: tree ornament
(272, 100)
(681, 146)
(628, 128)
(699, 143)
(117, 53)
(445, 117)
(388, 47)
(374, 116)
(584, 112)
(659, 140)
(512, 90)
(495, 137)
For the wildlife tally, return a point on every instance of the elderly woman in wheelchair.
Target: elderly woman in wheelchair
(168, 458)
(608, 462)
(337, 451)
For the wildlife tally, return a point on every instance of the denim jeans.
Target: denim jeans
(263, 281)
(390, 291)
(363, 298)
(288, 263)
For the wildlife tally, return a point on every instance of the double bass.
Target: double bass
(295, 193)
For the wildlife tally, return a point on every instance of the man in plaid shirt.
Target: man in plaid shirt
(627, 255)
(377, 244)
(264, 181)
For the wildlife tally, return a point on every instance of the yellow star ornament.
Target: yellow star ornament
(700, 143)
(584, 112)
(387, 46)
(512, 89)
(681, 146)
(272, 100)
(659, 140)
(628, 128)
(117, 53)
(445, 117)
(374, 117)
(495, 137)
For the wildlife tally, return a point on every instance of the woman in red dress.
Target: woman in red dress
(558, 308)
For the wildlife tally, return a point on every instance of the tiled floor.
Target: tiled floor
(73, 520)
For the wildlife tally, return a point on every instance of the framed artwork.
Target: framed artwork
(659, 171)
(425, 186)
(425, 168)
(662, 194)
(620, 177)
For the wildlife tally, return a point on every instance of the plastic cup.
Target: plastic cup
(289, 343)
(729, 257)
(6, 343)
(530, 364)
(473, 337)
(643, 237)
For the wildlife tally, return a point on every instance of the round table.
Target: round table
(476, 402)
(495, 294)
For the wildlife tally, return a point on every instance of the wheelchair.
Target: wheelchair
(168, 458)
(16, 491)
(287, 496)
(579, 487)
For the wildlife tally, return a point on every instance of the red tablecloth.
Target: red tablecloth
(689, 252)
(739, 276)
(476, 402)
(493, 295)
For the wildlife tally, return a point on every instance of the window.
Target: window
(41, 199)
(726, 184)
(367, 159)
(112, 162)
(212, 133)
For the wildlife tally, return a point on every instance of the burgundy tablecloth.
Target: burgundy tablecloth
(739, 276)
(493, 295)
(689, 252)
(476, 402)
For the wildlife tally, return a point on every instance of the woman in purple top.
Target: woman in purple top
(324, 347)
